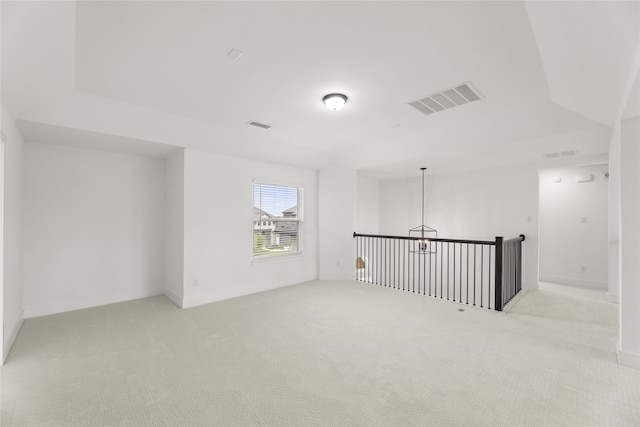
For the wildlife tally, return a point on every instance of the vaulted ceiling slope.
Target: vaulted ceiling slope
(146, 72)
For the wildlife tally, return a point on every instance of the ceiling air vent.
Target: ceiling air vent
(258, 124)
(234, 54)
(560, 154)
(446, 99)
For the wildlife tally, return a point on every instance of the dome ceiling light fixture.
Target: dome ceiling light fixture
(334, 101)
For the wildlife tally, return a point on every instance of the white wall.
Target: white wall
(13, 314)
(336, 213)
(573, 226)
(613, 285)
(629, 344)
(218, 234)
(478, 205)
(367, 206)
(94, 228)
(174, 227)
(2, 140)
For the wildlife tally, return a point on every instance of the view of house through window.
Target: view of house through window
(277, 219)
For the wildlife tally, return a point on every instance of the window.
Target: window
(277, 220)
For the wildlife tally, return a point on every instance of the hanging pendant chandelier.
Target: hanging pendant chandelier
(425, 246)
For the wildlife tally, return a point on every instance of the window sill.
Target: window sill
(276, 258)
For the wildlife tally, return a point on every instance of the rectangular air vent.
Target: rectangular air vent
(446, 99)
(584, 178)
(258, 124)
(234, 54)
(560, 154)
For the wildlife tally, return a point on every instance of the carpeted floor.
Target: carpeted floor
(323, 353)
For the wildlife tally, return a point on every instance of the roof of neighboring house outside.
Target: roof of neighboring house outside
(259, 213)
(292, 211)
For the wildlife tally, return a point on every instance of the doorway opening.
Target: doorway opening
(573, 226)
(2, 338)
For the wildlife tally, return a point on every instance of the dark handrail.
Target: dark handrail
(503, 266)
(471, 242)
(498, 274)
(512, 269)
(520, 238)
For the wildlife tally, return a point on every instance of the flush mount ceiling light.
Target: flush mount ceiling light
(334, 101)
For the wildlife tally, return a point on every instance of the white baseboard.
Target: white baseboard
(215, 296)
(94, 301)
(12, 337)
(507, 308)
(586, 284)
(630, 360)
(202, 300)
(337, 276)
(224, 294)
(174, 298)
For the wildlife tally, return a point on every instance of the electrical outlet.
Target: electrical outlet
(195, 283)
(583, 220)
(583, 269)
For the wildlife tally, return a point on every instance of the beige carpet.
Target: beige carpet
(322, 353)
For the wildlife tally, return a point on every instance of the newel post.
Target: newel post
(498, 274)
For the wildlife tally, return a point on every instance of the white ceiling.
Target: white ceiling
(57, 135)
(158, 72)
(632, 108)
(594, 42)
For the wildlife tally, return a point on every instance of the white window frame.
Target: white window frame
(299, 218)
